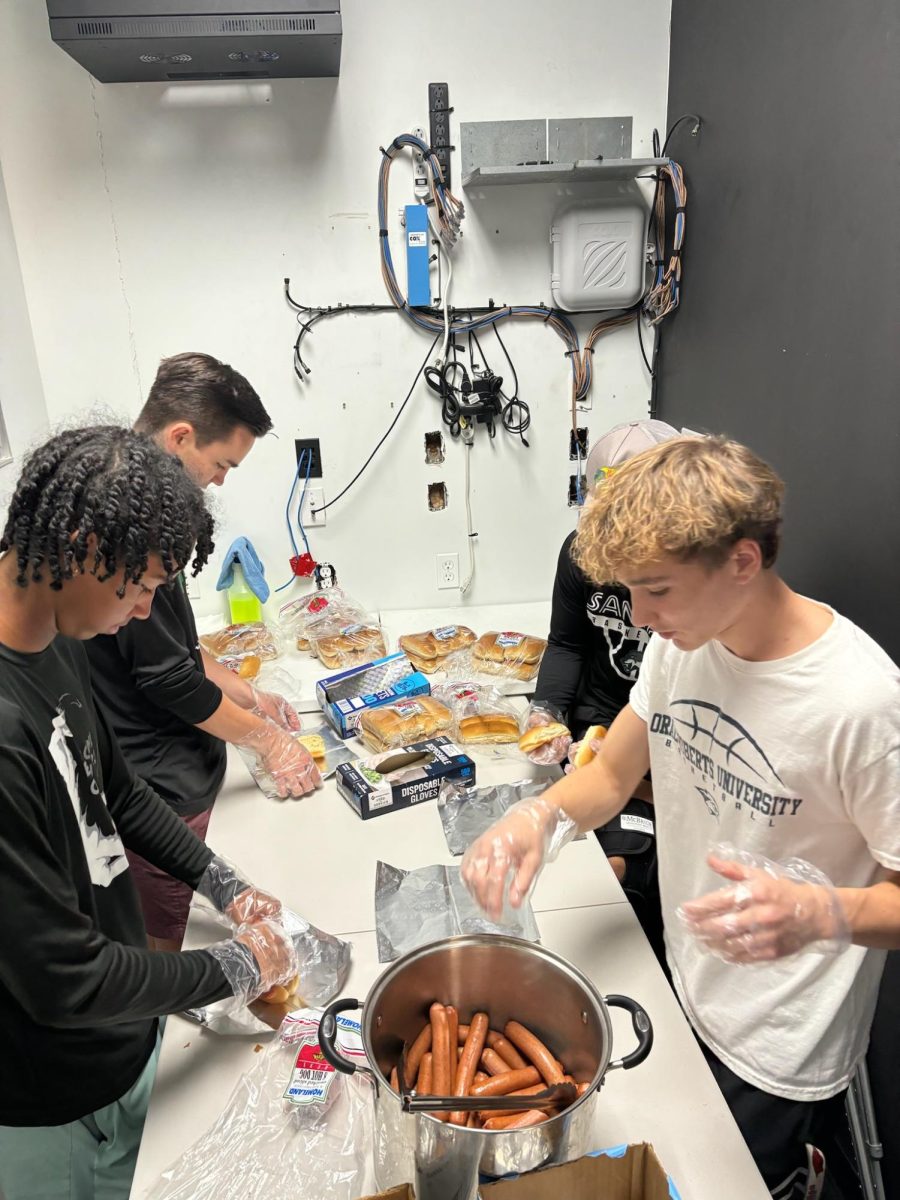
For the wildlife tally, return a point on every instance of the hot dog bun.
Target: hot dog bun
(585, 753)
(488, 728)
(281, 993)
(314, 743)
(540, 735)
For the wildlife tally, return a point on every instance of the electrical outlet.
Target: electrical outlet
(447, 568)
(311, 445)
(315, 499)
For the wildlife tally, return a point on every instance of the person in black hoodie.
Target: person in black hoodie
(171, 705)
(100, 520)
(592, 660)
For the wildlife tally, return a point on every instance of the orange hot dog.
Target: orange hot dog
(395, 1080)
(534, 1049)
(495, 1065)
(423, 1083)
(480, 1077)
(415, 1053)
(468, 1062)
(462, 1032)
(581, 1088)
(487, 1114)
(440, 1053)
(506, 1050)
(453, 1025)
(518, 1120)
(510, 1081)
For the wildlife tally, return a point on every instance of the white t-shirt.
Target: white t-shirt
(798, 757)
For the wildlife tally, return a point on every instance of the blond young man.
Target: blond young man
(771, 723)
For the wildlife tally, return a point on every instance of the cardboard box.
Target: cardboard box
(399, 778)
(344, 696)
(623, 1173)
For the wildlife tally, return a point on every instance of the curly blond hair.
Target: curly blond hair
(687, 498)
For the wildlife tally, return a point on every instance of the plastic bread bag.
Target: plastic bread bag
(327, 749)
(297, 617)
(466, 813)
(292, 1129)
(427, 651)
(344, 641)
(414, 908)
(506, 654)
(236, 641)
(324, 965)
(481, 716)
(404, 722)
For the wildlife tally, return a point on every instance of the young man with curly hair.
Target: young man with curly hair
(771, 723)
(101, 521)
(171, 705)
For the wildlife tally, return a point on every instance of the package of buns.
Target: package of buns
(244, 665)
(427, 651)
(403, 722)
(299, 617)
(340, 643)
(481, 716)
(237, 641)
(515, 655)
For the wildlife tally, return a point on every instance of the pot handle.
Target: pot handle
(328, 1034)
(640, 1022)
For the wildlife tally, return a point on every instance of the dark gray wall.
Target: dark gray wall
(788, 337)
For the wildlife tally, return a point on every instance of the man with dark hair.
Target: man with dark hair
(206, 413)
(101, 520)
(171, 705)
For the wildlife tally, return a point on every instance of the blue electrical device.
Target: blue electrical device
(418, 281)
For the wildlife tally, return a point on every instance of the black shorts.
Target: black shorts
(778, 1131)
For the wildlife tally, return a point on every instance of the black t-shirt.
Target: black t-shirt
(79, 991)
(594, 651)
(149, 680)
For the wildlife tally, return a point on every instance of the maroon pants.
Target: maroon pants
(165, 901)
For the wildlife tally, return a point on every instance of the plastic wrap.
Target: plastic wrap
(344, 641)
(292, 1129)
(231, 893)
(238, 642)
(260, 957)
(298, 617)
(245, 666)
(404, 722)
(512, 655)
(325, 747)
(324, 962)
(414, 908)
(427, 651)
(770, 910)
(545, 736)
(467, 813)
(480, 714)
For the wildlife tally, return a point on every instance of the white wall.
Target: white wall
(21, 394)
(144, 230)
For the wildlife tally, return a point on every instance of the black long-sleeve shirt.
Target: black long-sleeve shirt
(79, 991)
(594, 651)
(150, 683)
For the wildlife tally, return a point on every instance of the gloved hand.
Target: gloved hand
(229, 892)
(596, 746)
(259, 957)
(502, 865)
(772, 910)
(553, 751)
(285, 760)
(273, 707)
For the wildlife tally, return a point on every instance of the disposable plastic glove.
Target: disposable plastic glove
(230, 892)
(259, 957)
(770, 911)
(275, 708)
(502, 865)
(551, 752)
(285, 760)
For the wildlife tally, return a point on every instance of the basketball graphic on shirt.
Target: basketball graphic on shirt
(103, 848)
(707, 725)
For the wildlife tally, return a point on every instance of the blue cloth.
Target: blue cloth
(241, 549)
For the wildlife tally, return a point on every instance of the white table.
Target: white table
(319, 857)
(532, 618)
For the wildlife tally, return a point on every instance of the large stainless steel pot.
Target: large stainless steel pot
(511, 980)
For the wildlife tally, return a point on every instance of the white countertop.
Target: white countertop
(319, 857)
